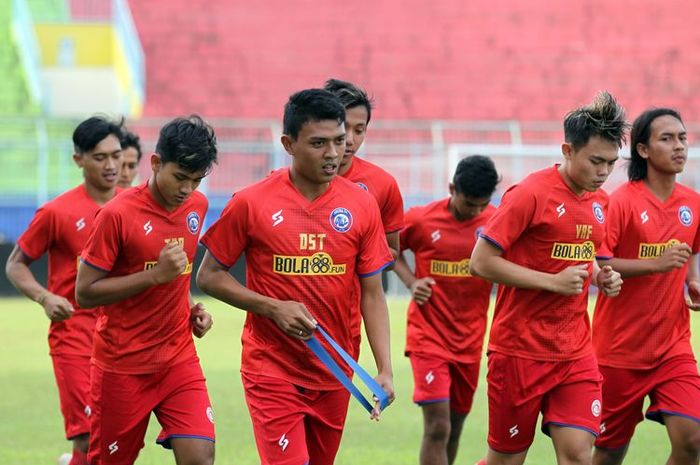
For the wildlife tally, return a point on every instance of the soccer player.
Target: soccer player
(447, 315)
(308, 237)
(540, 246)
(372, 178)
(131, 149)
(136, 266)
(60, 228)
(642, 337)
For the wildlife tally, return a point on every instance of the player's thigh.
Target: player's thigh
(572, 445)
(121, 406)
(73, 381)
(277, 412)
(464, 380)
(624, 391)
(325, 423)
(575, 401)
(192, 451)
(431, 379)
(513, 405)
(184, 410)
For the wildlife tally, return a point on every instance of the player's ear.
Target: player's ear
(288, 144)
(78, 159)
(156, 162)
(452, 189)
(642, 150)
(567, 150)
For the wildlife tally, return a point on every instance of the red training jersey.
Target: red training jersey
(61, 227)
(649, 321)
(383, 187)
(305, 251)
(451, 325)
(149, 331)
(543, 225)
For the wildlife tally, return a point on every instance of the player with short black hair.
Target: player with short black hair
(131, 149)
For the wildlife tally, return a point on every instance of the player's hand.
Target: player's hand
(694, 295)
(172, 261)
(201, 320)
(421, 290)
(569, 281)
(673, 257)
(609, 281)
(387, 383)
(57, 308)
(294, 319)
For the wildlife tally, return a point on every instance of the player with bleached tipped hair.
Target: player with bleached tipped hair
(540, 246)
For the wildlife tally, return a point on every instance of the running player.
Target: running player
(308, 237)
(60, 228)
(447, 315)
(540, 245)
(642, 337)
(136, 266)
(131, 149)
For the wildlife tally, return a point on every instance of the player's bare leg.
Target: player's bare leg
(456, 423)
(436, 433)
(80, 445)
(572, 446)
(496, 458)
(609, 456)
(684, 434)
(193, 451)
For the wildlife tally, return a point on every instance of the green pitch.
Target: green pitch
(31, 430)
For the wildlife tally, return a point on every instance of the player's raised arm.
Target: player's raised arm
(487, 262)
(293, 318)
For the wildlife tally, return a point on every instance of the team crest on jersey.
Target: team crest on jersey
(341, 219)
(598, 212)
(685, 215)
(363, 185)
(193, 222)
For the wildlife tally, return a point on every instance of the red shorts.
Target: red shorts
(294, 425)
(436, 380)
(122, 405)
(674, 389)
(72, 374)
(567, 393)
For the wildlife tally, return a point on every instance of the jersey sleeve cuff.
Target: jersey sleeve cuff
(220, 262)
(379, 270)
(603, 257)
(492, 241)
(24, 251)
(92, 265)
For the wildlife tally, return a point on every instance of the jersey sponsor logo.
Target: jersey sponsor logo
(595, 408)
(113, 448)
(435, 235)
(277, 218)
(561, 210)
(318, 264)
(363, 186)
(583, 252)
(651, 250)
(193, 222)
(176, 240)
(685, 215)
(80, 224)
(147, 227)
(210, 414)
(341, 219)
(430, 377)
(513, 430)
(644, 216)
(283, 442)
(598, 212)
(458, 269)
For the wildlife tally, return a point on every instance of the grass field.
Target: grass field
(31, 430)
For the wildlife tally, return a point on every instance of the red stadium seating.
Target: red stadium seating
(447, 59)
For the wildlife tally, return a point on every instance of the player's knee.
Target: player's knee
(690, 443)
(579, 454)
(608, 456)
(437, 429)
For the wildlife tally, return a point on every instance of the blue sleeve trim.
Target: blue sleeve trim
(372, 273)
(228, 267)
(492, 241)
(603, 257)
(93, 266)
